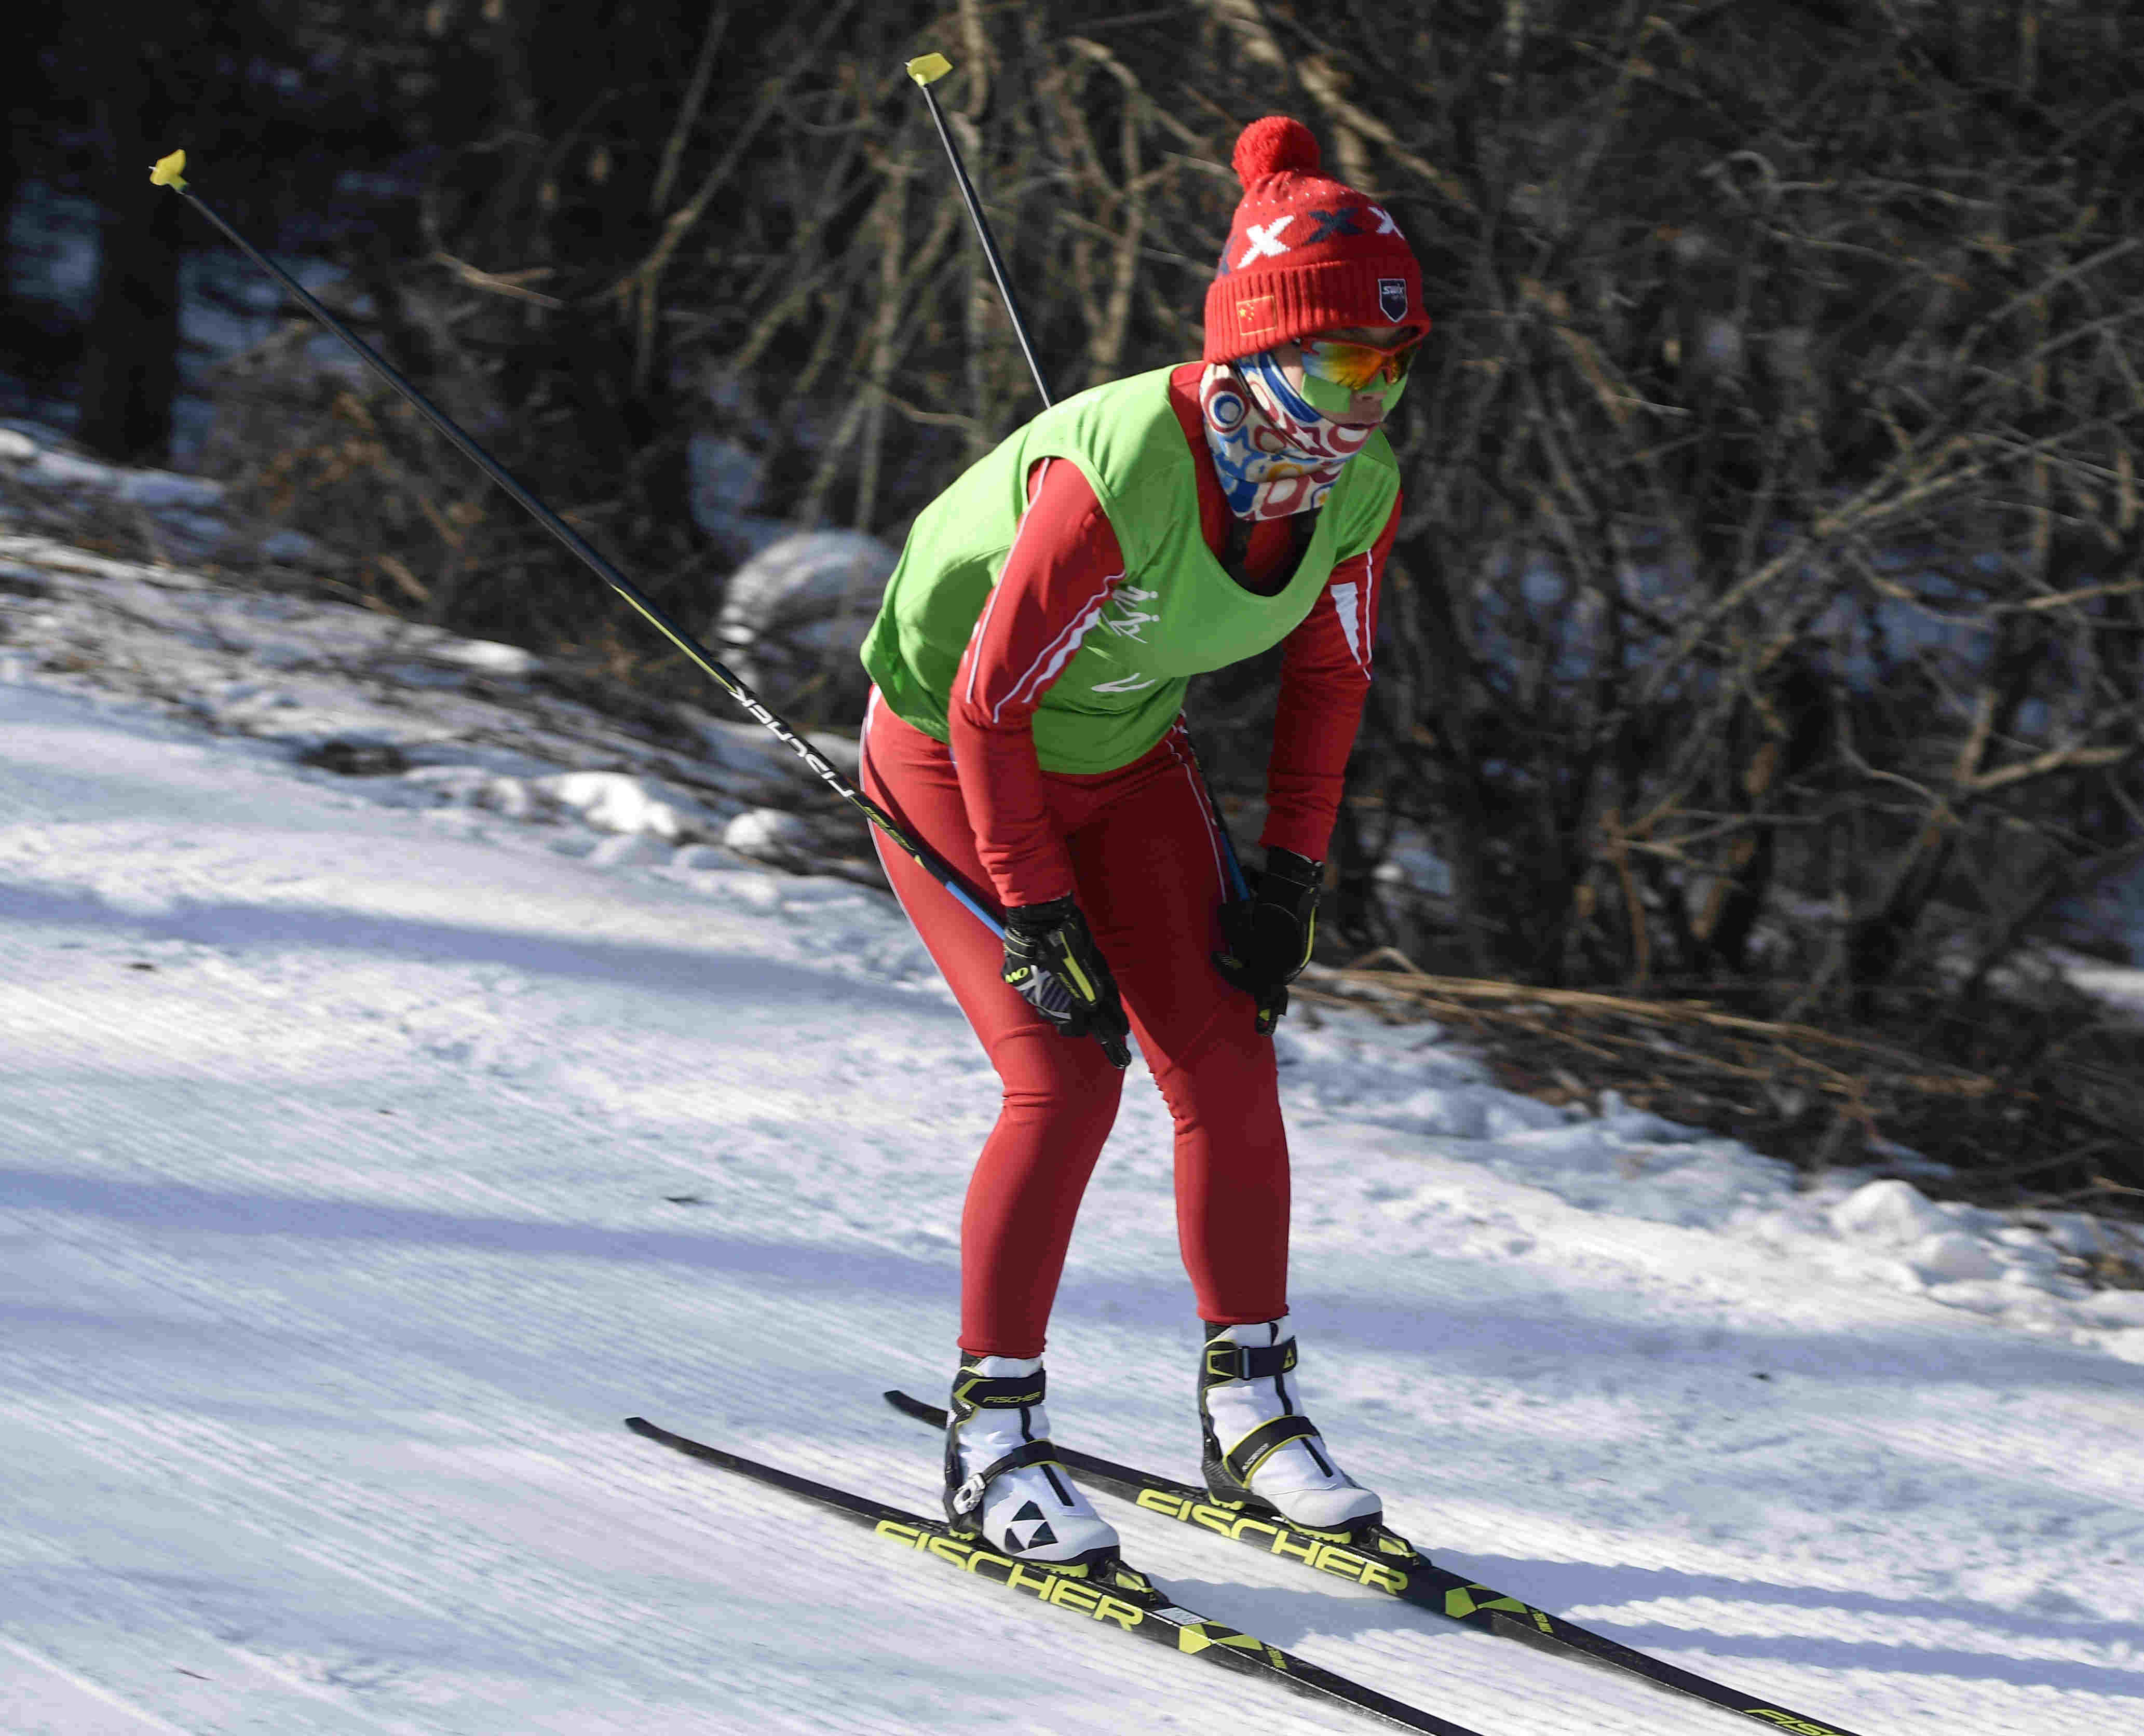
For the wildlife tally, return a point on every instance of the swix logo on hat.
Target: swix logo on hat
(1305, 252)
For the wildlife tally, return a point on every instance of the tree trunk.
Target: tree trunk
(130, 368)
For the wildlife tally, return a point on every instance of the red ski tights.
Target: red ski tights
(1148, 877)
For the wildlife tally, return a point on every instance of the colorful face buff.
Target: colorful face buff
(1336, 371)
(1275, 452)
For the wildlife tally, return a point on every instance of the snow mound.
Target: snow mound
(1891, 1212)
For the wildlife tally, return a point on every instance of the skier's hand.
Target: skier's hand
(1051, 962)
(1269, 934)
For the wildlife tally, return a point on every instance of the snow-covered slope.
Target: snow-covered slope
(364, 1158)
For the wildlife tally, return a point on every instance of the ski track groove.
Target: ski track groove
(118, 1593)
(140, 1716)
(503, 1596)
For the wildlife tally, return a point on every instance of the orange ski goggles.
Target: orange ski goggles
(1336, 371)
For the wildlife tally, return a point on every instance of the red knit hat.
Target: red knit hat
(1306, 253)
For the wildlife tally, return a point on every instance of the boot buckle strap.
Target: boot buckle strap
(1227, 1361)
(1000, 1393)
(1262, 1442)
(970, 1495)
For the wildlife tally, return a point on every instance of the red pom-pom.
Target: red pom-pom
(1270, 145)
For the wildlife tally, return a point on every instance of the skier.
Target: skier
(1029, 665)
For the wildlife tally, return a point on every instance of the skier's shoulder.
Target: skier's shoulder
(1138, 399)
(1126, 438)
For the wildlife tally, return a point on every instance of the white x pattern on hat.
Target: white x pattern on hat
(1265, 240)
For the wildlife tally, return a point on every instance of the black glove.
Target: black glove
(1269, 934)
(1052, 962)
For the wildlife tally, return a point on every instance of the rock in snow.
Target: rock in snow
(794, 617)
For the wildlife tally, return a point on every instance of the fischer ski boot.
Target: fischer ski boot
(1276, 1462)
(1003, 1481)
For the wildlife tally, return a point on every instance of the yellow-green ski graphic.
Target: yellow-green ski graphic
(1123, 1598)
(1383, 1560)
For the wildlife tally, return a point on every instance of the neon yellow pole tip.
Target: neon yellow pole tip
(169, 171)
(929, 68)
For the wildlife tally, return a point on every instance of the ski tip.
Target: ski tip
(169, 171)
(929, 68)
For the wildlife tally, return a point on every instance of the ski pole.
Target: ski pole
(169, 172)
(927, 70)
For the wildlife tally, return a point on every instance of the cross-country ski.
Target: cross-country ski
(1378, 1557)
(1122, 1598)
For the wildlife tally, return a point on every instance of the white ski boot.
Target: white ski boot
(1275, 1460)
(1003, 1481)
